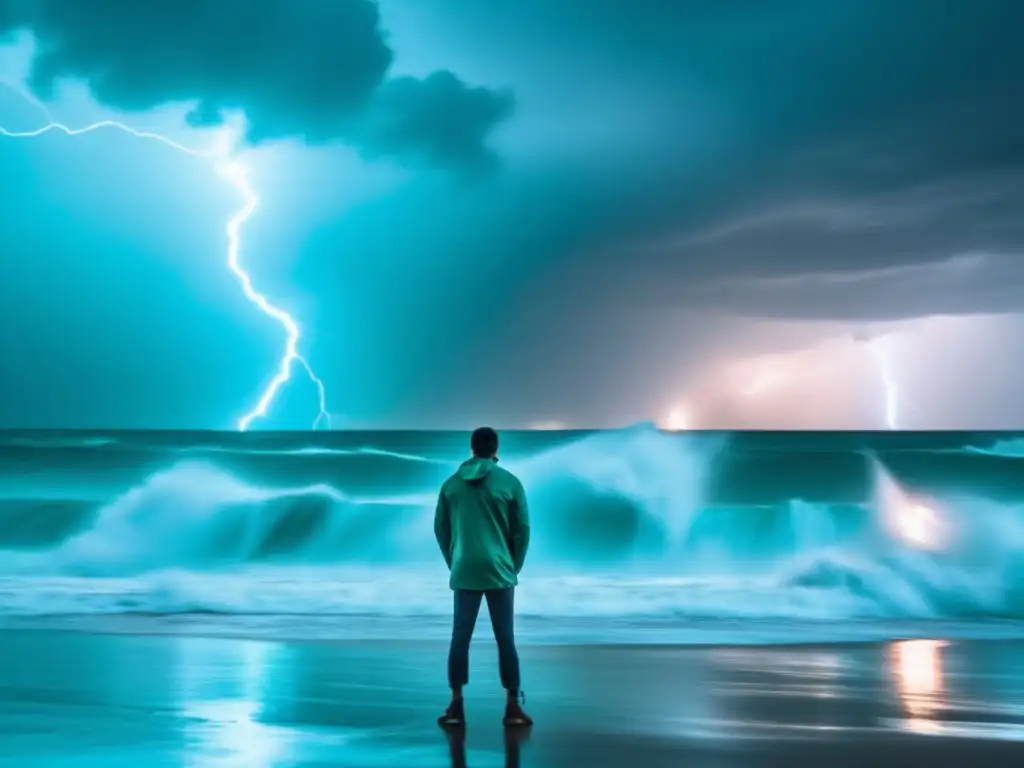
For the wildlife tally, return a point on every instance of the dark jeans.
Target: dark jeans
(501, 606)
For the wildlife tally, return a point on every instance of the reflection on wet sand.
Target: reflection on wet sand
(979, 699)
(117, 700)
(917, 667)
(514, 740)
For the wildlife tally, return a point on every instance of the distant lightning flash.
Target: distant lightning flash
(235, 174)
(892, 393)
(761, 382)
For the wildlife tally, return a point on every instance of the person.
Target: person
(483, 528)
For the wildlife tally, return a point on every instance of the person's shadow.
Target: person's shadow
(514, 739)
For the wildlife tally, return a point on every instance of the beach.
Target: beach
(262, 600)
(113, 699)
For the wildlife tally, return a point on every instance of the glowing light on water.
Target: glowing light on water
(676, 421)
(917, 667)
(909, 519)
(918, 524)
(549, 426)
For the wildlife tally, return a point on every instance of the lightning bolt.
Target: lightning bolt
(236, 175)
(892, 394)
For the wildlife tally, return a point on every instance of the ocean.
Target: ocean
(637, 534)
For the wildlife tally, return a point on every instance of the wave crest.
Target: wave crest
(623, 527)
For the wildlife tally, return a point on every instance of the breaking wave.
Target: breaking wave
(627, 524)
(1012, 448)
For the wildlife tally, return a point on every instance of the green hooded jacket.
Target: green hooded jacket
(482, 526)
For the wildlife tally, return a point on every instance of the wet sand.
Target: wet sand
(69, 698)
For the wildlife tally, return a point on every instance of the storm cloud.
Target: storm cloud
(316, 70)
(782, 139)
(686, 186)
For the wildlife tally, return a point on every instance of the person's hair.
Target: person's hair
(484, 443)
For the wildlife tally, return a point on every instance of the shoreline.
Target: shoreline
(589, 633)
(132, 699)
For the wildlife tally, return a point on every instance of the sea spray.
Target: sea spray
(628, 525)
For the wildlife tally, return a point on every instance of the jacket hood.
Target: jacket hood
(476, 469)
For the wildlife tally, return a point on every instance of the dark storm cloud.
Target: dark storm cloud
(317, 70)
(937, 239)
(438, 119)
(797, 138)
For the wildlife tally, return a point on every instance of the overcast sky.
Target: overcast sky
(752, 213)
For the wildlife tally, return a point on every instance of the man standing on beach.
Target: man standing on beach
(483, 528)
